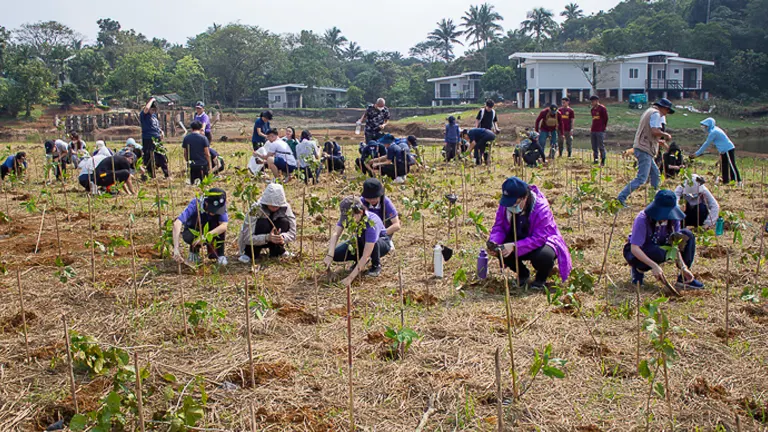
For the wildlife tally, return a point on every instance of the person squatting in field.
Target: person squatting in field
(15, 163)
(529, 151)
(309, 158)
(206, 216)
(371, 244)
(394, 164)
(525, 225)
(369, 151)
(279, 156)
(270, 225)
(655, 227)
(701, 207)
(724, 146)
(115, 169)
(87, 178)
(375, 201)
(647, 139)
(333, 157)
(197, 153)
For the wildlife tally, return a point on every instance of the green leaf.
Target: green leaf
(659, 389)
(78, 423)
(553, 372)
(169, 377)
(644, 370)
(113, 401)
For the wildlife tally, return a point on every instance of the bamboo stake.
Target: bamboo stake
(23, 315)
(499, 406)
(248, 335)
(762, 240)
(139, 400)
(253, 417)
(508, 311)
(317, 288)
(71, 366)
(93, 245)
(727, 296)
(133, 261)
(157, 202)
(605, 255)
(301, 234)
(666, 380)
(183, 310)
(40, 231)
(402, 300)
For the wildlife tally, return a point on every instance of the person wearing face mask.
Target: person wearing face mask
(376, 118)
(211, 212)
(269, 225)
(701, 207)
(376, 202)
(524, 221)
(656, 226)
(730, 172)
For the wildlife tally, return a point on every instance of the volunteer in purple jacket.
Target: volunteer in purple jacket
(538, 238)
(656, 226)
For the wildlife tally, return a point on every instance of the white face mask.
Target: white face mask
(704, 128)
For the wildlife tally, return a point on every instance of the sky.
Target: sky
(376, 25)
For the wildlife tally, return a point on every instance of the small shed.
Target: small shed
(169, 99)
(303, 96)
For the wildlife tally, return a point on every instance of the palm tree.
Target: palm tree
(481, 27)
(445, 35)
(334, 40)
(353, 51)
(572, 11)
(539, 22)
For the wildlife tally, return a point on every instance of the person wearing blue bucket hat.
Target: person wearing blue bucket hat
(524, 221)
(658, 225)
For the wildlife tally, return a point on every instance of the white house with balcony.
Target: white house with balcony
(456, 89)
(551, 76)
(303, 96)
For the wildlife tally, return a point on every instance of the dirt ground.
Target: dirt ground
(446, 379)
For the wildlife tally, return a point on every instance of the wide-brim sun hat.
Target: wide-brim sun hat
(664, 207)
(665, 103)
(512, 190)
(372, 188)
(274, 195)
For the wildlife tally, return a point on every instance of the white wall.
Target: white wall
(457, 87)
(557, 75)
(271, 94)
(609, 76)
(634, 83)
(681, 67)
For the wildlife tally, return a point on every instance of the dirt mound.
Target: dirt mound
(582, 243)
(714, 251)
(590, 349)
(310, 418)
(296, 314)
(15, 322)
(425, 298)
(701, 387)
(262, 373)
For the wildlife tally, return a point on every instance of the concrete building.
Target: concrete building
(302, 96)
(550, 76)
(456, 89)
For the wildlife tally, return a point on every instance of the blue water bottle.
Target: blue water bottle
(482, 264)
(720, 227)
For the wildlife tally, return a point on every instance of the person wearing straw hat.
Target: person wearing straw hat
(524, 221)
(374, 201)
(655, 227)
(211, 212)
(724, 146)
(646, 146)
(270, 224)
(701, 207)
(371, 242)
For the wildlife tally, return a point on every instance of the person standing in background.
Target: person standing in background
(565, 128)
(202, 117)
(376, 118)
(260, 129)
(487, 119)
(597, 132)
(150, 133)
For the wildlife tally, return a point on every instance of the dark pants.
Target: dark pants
(380, 249)
(197, 172)
(372, 136)
(220, 167)
(308, 173)
(360, 162)
(728, 167)
(659, 255)
(542, 260)
(85, 181)
(258, 144)
(152, 159)
(394, 170)
(335, 163)
(109, 178)
(209, 136)
(696, 215)
(61, 166)
(214, 251)
(263, 226)
(481, 153)
(4, 170)
(450, 151)
(598, 145)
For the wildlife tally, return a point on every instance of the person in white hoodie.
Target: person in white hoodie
(87, 168)
(270, 224)
(102, 149)
(701, 207)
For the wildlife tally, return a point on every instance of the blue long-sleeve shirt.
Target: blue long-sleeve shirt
(716, 136)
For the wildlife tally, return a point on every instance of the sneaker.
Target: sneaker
(222, 261)
(522, 282)
(193, 258)
(94, 189)
(537, 286)
(373, 272)
(287, 254)
(400, 180)
(692, 285)
(595, 162)
(391, 245)
(245, 259)
(637, 277)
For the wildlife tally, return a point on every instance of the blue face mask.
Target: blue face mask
(516, 209)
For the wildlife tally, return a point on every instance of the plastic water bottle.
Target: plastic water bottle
(720, 227)
(438, 261)
(482, 264)
(357, 128)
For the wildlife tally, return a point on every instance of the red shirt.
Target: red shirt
(546, 122)
(599, 118)
(566, 119)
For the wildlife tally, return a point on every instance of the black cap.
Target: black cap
(553, 107)
(216, 201)
(665, 103)
(594, 97)
(372, 188)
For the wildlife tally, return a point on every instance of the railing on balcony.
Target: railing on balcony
(456, 95)
(673, 84)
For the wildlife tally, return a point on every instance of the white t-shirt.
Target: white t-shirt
(282, 150)
(88, 165)
(656, 120)
(306, 150)
(61, 146)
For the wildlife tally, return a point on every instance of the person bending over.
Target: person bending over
(113, 170)
(701, 207)
(15, 164)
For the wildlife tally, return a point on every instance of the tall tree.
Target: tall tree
(428, 51)
(29, 82)
(353, 51)
(88, 71)
(445, 35)
(481, 24)
(334, 40)
(138, 74)
(540, 23)
(52, 42)
(572, 11)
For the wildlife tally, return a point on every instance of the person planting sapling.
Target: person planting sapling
(209, 214)
(269, 225)
(701, 207)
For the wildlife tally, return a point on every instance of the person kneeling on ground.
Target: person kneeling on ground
(217, 161)
(701, 207)
(374, 201)
(372, 242)
(524, 221)
(211, 215)
(114, 169)
(672, 160)
(395, 163)
(334, 159)
(656, 226)
(371, 150)
(15, 164)
(529, 151)
(269, 225)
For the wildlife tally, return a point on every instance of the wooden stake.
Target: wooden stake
(301, 234)
(349, 353)
(133, 261)
(605, 255)
(508, 311)
(40, 231)
(23, 315)
(71, 366)
(317, 288)
(139, 400)
(253, 417)
(727, 296)
(93, 245)
(762, 240)
(499, 395)
(666, 380)
(402, 301)
(248, 335)
(183, 310)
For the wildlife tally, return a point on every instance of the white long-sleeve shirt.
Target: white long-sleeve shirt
(699, 193)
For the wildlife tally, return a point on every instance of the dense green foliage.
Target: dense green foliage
(229, 63)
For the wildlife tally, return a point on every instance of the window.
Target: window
(677, 71)
(532, 73)
(586, 69)
(661, 74)
(634, 73)
(278, 98)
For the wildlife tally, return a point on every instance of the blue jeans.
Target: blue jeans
(645, 166)
(552, 135)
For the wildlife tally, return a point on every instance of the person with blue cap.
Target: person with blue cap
(654, 228)
(724, 146)
(650, 133)
(524, 221)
